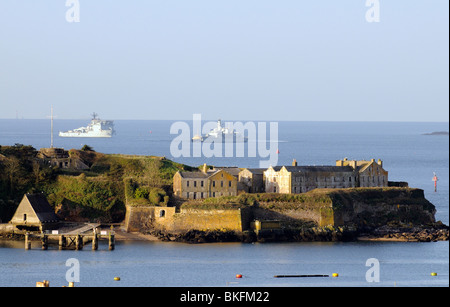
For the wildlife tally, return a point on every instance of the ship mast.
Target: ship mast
(51, 117)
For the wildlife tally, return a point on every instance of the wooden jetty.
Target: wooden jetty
(71, 240)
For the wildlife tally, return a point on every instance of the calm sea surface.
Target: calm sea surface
(407, 155)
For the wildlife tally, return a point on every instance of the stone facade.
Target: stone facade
(200, 185)
(58, 157)
(252, 180)
(34, 211)
(346, 174)
(370, 173)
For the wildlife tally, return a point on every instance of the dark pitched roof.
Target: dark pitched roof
(42, 208)
(230, 170)
(256, 170)
(306, 169)
(194, 175)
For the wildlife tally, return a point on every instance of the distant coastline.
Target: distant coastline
(437, 133)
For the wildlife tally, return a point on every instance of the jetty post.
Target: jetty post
(95, 241)
(27, 241)
(112, 241)
(62, 242)
(78, 242)
(44, 241)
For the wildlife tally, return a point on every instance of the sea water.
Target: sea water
(407, 155)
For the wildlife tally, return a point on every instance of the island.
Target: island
(154, 197)
(437, 133)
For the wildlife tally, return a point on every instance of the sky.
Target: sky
(264, 60)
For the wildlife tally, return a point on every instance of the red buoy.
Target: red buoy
(238, 276)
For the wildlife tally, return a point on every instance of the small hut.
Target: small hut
(34, 213)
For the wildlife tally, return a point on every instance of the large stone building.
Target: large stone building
(346, 174)
(204, 184)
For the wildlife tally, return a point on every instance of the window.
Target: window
(229, 184)
(162, 213)
(201, 194)
(195, 195)
(201, 183)
(195, 183)
(214, 183)
(187, 183)
(24, 217)
(350, 179)
(214, 194)
(221, 184)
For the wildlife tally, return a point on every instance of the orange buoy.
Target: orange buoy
(238, 276)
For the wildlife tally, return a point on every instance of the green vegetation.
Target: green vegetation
(96, 193)
(264, 200)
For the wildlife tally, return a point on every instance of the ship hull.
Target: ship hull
(84, 135)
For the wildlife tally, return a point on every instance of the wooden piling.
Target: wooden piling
(62, 242)
(44, 242)
(27, 241)
(78, 242)
(94, 242)
(112, 241)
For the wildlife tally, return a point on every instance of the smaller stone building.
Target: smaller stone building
(252, 180)
(34, 213)
(208, 183)
(58, 157)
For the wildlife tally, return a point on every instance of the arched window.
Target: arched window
(162, 213)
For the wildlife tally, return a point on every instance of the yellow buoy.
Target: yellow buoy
(335, 275)
(433, 274)
(116, 278)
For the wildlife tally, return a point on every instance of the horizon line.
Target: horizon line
(247, 120)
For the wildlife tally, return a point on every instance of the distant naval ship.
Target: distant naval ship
(96, 129)
(221, 133)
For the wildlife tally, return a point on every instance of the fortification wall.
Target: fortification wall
(145, 218)
(361, 207)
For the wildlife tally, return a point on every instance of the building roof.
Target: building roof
(233, 170)
(325, 168)
(36, 208)
(202, 175)
(256, 170)
(42, 208)
(195, 175)
(309, 169)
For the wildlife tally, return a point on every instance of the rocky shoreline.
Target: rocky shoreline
(400, 233)
(437, 232)
(433, 233)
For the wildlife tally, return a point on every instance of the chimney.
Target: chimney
(294, 162)
(380, 163)
(204, 168)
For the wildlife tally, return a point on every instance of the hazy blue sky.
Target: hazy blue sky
(229, 59)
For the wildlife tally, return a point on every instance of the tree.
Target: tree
(87, 148)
